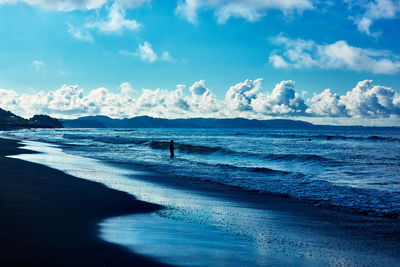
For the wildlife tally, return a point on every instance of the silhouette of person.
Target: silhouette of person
(171, 148)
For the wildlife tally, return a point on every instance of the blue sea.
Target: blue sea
(351, 169)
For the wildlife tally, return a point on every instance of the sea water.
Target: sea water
(352, 169)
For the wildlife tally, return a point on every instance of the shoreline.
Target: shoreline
(50, 218)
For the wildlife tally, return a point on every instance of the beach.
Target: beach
(52, 218)
(49, 218)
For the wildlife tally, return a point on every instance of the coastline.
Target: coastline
(50, 218)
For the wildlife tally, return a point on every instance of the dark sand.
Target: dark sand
(49, 218)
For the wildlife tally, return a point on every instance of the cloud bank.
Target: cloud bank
(246, 99)
(304, 54)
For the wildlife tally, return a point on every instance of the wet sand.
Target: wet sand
(49, 218)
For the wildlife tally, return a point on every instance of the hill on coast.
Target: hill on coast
(10, 121)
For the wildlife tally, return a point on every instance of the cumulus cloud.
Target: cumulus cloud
(373, 11)
(116, 22)
(250, 10)
(283, 100)
(67, 101)
(70, 101)
(127, 90)
(203, 100)
(146, 53)
(239, 96)
(38, 64)
(368, 100)
(70, 5)
(79, 34)
(161, 102)
(299, 53)
(326, 104)
(246, 99)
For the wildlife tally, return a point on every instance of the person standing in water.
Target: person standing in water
(171, 148)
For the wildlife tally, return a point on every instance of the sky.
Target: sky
(334, 62)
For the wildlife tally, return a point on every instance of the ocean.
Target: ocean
(351, 169)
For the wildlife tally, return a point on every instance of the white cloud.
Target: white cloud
(301, 54)
(373, 11)
(146, 53)
(250, 10)
(70, 5)
(239, 96)
(326, 104)
(116, 22)
(202, 100)
(80, 34)
(282, 100)
(38, 64)
(127, 90)
(278, 61)
(364, 102)
(368, 100)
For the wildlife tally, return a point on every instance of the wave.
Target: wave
(204, 149)
(294, 185)
(251, 169)
(123, 130)
(240, 134)
(383, 138)
(361, 138)
(298, 157)
(107, 139)
(200, 149)
(337, 137)
(197, 149)
(74, 136)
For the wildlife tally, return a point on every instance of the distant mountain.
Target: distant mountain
(149, 122)
(10, 121)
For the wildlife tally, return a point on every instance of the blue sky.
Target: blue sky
(49, 47)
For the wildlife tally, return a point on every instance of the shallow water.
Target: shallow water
(350, 169)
